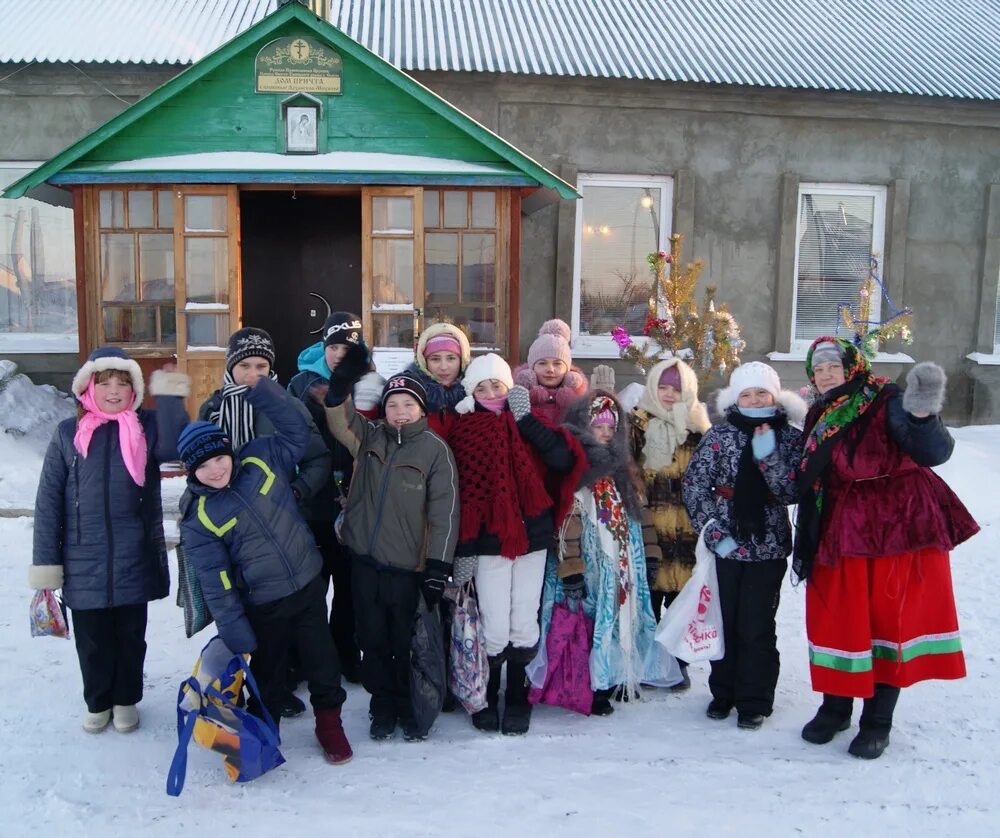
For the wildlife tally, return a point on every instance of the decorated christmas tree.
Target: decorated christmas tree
(707, 337)
(870, 335)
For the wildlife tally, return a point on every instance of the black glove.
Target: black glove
(433, 581)
(573, 586)
(348, 372)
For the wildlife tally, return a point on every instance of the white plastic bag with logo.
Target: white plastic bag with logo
(691, 628)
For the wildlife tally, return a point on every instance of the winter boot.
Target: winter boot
(719, 709)
(331, 736)
(292, 706)
(601, 705)
(125, 717)
(411, 733)
(833, 716)
(685, 684)
(96, 722)
(750, 721)
(875, 723)
(488, 719)
(516, 709)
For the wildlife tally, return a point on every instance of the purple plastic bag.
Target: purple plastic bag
(567, 646)
(48, 616)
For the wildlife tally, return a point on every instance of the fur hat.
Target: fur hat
(483, 368)
(342, 327)
(435, 332)
(201, 441)
(552, 342)
(109, 358)
(405, 383)
(249, 342)
(756, 374)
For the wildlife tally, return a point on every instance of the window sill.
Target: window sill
(983, 359)
(880, 358)
(38, 343)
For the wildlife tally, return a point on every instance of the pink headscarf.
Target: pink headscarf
(130, 434)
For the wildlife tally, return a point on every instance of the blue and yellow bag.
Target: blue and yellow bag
(207, 712)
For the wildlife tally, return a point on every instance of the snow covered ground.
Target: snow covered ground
(653, 768)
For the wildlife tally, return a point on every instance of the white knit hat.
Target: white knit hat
(483, 368)
(751, 375)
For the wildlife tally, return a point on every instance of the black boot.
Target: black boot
(601, 705)
(685, 683)
(488, 719)
(875, 723)
(516, 709)
(833, 716)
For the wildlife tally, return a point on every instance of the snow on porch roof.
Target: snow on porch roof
(330, 167)
(74, 164)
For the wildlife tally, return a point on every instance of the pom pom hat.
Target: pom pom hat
(552, 342)
(483, 368)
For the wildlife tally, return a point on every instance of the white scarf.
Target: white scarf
(669, 427)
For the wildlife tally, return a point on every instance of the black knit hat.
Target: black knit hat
(342, 327)
(249, 342)
(405, 383)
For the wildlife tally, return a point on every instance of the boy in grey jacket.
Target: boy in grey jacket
(400, 526)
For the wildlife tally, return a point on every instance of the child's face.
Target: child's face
(334, 354)
(549, 371)
(215, 473)
(828, 375)
(668, 395)
(491, 388)
(603, 433)
(249, 370)
(114, 394)
(401, 409)
(444, 367)
(755, 397)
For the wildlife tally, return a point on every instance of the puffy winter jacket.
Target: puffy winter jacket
(248, 541)
(92, 518)
(311, 473)
(403, 505)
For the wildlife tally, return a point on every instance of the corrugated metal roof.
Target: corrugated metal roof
(126, 31)
(921, 47)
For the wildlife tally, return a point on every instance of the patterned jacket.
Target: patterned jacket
(712, 474)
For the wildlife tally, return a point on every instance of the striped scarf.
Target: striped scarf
(235, 416)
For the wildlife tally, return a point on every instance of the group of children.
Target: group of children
(527, 485)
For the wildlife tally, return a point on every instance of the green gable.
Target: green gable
(209, 125)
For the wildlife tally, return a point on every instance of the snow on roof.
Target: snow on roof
(921, 47)
(332, 161)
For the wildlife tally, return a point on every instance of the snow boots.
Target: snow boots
(125, 717)
(718, 709)
(516, 709)
(488, 719)
(331, 736)
(601, 705)
(875, 723)
(833, 716)
(96, 722)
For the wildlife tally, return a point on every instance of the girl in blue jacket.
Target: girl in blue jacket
(99, 525)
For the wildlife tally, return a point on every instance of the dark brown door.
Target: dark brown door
(298, 255)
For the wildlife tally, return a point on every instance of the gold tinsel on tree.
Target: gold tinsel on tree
(870, 335)
(708, 338)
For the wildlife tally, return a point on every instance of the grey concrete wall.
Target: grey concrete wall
(937, 157)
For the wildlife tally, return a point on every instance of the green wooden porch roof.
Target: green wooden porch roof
(208, 125)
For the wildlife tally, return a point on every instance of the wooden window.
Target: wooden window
(136, 267)
(463, 260)
(620, 220)
(840, 227)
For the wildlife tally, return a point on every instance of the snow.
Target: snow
(331, 161)
(657, 767)
(985, 359)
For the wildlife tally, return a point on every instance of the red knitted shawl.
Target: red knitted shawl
(499, 481)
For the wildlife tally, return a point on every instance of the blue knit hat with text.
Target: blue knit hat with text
(201, 441)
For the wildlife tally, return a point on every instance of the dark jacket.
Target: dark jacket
(92, 518)
(248, 542)
(403, 505)
(310, 474)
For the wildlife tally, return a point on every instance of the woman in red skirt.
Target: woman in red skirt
(874, 530)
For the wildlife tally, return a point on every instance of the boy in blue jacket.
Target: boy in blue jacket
(257, 561)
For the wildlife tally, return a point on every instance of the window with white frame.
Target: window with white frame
(37, 272)
(620, 220)
(996, 325)
(840, 227)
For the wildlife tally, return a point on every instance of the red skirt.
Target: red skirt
(888, 620)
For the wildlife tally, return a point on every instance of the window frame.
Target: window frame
(602, 346)
(879, 193)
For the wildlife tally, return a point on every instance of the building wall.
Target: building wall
(733, 153)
